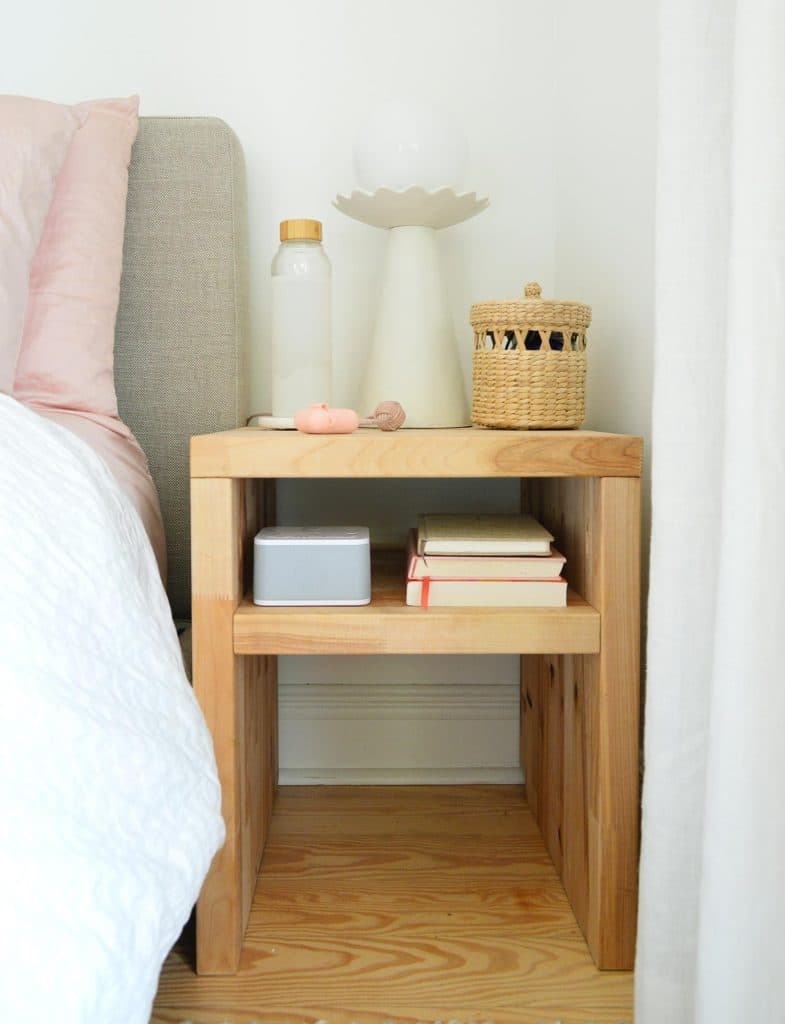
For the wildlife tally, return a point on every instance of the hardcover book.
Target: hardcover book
(481, 535)
(489, 567)
(486, 593)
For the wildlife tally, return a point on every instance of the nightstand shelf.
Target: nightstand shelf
(580, 665)
(388, 626)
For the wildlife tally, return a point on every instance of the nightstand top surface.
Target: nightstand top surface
(251, 452)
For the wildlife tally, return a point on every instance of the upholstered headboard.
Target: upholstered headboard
(181, 340)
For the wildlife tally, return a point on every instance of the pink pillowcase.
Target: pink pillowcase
(67, 355)
(65, 368)
(34, 139)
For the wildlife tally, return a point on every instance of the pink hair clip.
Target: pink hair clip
(321, 419)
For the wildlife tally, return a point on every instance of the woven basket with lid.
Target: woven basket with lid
(529, 362)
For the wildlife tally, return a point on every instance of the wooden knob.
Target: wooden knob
(532, 290)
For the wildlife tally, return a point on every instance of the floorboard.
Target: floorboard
(405, 904)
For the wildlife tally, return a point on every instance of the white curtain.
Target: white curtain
(711, 938)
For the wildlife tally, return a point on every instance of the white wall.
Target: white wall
(532, 82)
(605, 150)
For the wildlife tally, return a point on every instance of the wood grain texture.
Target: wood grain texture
(553, 759)
(542, 748)
(597, 525)
(424, 904)
(217, 510)
(531, 730)
(615, 723)
(577, 748)
(260, 766)
(461, 452)
(238, 701)
(388, 626)
(582, 732)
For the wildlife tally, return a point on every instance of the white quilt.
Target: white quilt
(109, 799)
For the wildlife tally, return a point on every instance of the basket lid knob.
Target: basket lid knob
(532, 290)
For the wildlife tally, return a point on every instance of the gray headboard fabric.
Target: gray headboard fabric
(182, 331)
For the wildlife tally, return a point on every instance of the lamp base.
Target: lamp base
(414, 357)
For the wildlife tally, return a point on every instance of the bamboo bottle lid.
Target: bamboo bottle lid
(301, 230)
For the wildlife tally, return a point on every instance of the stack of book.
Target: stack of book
(492, 561)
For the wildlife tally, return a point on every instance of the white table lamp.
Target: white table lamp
(409, 160)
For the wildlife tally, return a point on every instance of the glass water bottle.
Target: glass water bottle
(302, 364)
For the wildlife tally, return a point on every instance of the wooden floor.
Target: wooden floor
(403, 904)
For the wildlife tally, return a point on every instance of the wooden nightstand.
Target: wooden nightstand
(580, 670)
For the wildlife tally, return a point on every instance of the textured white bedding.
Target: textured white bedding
(109, 800)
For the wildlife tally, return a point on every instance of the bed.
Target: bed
(109, 800)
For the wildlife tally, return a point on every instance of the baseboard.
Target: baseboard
(403, 777)
(398, 701)
(407, 731)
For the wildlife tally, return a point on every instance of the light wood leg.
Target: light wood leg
(260, 776)
(580, 714)
(237, 696)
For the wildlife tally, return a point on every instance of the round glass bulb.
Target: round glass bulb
(407, 142)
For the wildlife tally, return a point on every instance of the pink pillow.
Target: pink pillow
(34, 140)
(65, 369)
(67, 355)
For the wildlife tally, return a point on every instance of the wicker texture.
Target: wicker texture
(529, 362)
